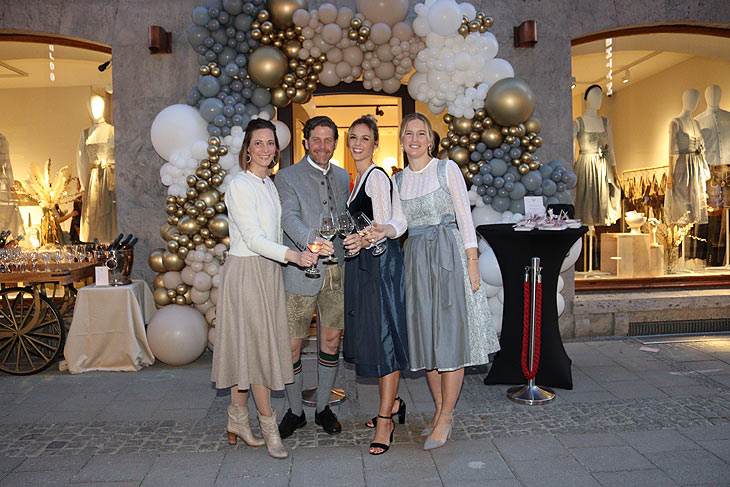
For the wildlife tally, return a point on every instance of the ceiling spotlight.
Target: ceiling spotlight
(572, 82)
(626, 77)
(378, 111)
(102, 67)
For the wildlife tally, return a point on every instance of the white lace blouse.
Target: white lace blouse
(419, 183)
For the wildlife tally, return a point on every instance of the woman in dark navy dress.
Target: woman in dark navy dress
(375, 325)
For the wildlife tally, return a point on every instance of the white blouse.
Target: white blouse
(418, 183)
(384, 209)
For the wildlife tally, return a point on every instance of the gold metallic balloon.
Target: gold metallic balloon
(471, 147)
(172, 246)
(196, 240)
(301, 96)
(206, 174)
(464, 170)
(513, 130)
(534, 166)
(459, 155)
(263, 16)
(292, 49)
(525, 141)
(505, 130)
(488, 122)
(516, 162)
(179, 300)
(473, 167)
(474, 137)
(462, 125)
(281, 11)
(161, 298)
(173, 220)
(531, 148)
(300, 84)
(267, 27)
(446, 143)
(481, 15)
(212, 64)
(220, 207)
(477, 126)
(170, 293)
(226, 241)
(218, 226)
(170, 200)
(166, 231)
(361, 39)
(492, 137)
(526, 157)
(216, 180)
(509, 139)
(463, 30)
(279, 98)
(267, 66)
(488, 21)
(356, 23)
(510, 101)
(214, 158)
(170, 209)
(191, 245)
(533, 125)
(154, 260)
(464, 140)
(157, 281)
(536, 141)
(215, 71)
(364, 31)
(443, 154)
(454, 139)
(474, 26)
(200, 205)
(483, 28)
(191, 180)
(201, 186)
(222, 151)
(192, 193)
(352, 35)
(204, 232)
(523, 169)
(172, 262)
(183, 240)
(448, 118)
(183, 251)
(469, 177)
(182, 289)
(210, 242)
(521, 130)
(204, 70)
(192, 211)
(188, 226)
(480, 114)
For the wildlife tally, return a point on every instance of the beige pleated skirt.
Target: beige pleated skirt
(252, 343)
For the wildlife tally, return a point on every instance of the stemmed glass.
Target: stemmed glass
(328, 230)
(345, 227)
(314, 243)
(364, 227)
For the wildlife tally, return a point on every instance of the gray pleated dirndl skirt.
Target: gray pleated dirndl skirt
(252, 344)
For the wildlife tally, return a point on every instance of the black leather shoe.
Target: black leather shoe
(291, 422)
(328, 421)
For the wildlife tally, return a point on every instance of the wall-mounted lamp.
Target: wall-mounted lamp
(160, 41)
(102, 67)
(572, 82)
(379, 112)
(526, 34)
(627, 77)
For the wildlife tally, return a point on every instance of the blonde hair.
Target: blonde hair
(417, 116)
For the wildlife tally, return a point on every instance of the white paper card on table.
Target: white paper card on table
(534, 206)
(101, 277)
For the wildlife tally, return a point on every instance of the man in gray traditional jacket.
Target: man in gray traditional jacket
(308, 190)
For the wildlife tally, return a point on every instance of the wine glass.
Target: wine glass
(314, 243)
(364, 227)
(328, 230)
(345, 226)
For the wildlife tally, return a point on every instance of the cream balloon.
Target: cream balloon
(495, 305)
(344, 16)
(202, 281)
(177, 334)
(214, 296)
(300, 17)
(327, 13)
(572, 257)
(199, 297)
(561, 303)
(402, 31)
(203, 308)
(380, 33)
(175, 127)
(328, 76)
(387, 11)
(332, 34)
(497, 322)
(172, 279)
(561, 283)
(187, 275)
(210, 315)
(352, 55)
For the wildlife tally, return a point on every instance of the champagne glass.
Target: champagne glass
(364, 227)
(345, 226)
(314, 243)
(328, 230)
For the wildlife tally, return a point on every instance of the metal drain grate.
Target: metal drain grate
(679, 327)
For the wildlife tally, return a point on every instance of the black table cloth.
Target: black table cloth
(514, 251)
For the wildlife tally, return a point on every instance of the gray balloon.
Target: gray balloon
(252, 109)
(485, 169)
(487, 199)
(487, 179)
(509, 177)
(503, 193)
(517, 206)
(219, 120)
(537, 192)
(518, 192)
(481, 190)
(514, 172)
(552, 200)
(233, 7)
(226, 56)
(501, 204)
(546, 170)
(498, 182)
(564, 197)
(231, 69)
(260, 97)
(532, 180)
(481, 147)
(200, 16)
(488, 154)
(549, 187)
(229, 111)
(492, 191)
(573, 180)
(220, 36)
(270, 110)
(210, 108)
(515, 153)
(243, 22)
(213, 130)
(197, 34)
(561, 187)
(208, 86)
(475, 156)
(240, 108)
(477, 180)
(509, 185)
(499, 167)
(224, 80)
(555, 164)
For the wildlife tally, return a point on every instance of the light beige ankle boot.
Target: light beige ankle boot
(270, 431)
(239, 427)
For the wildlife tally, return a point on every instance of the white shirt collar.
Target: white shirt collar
(424, 167)
(319, 168)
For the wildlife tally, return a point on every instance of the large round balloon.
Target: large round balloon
(388, 11)
(177, 334)
(175, 128)
(489, 268)
(572, 257)
(281, 11)
(267, 66)
(510, 101)
(282, 134)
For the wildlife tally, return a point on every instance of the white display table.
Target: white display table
(108, 329)
(630, 255)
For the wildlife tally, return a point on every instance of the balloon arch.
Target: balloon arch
(261, 55)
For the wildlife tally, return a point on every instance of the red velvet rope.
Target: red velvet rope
(531, 373)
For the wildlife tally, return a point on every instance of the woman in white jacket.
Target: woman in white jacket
(252, 349)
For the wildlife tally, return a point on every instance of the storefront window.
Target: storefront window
(57, 177)
(652, 155)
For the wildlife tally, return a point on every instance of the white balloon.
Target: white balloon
(177, 334)
(210, 315)
(200, 149)
(214, 296)
(495, 305)
(174, 127)
(492, 290)
(485, 215)
(561, 303)
(228, 161)
(561, 283)
(172, 279)
(203, 308)
(572, 257)
(202, 281)
(283, 134)
(468, 10)
(444, 17)
(489, 268)
(497, 322)
(199, 297)
(500, 295)
(187, 274)
(497, 69)
(197, 266)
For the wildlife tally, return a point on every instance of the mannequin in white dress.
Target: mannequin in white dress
(715, 128)
(598, 197)
(10, 218)
(95, 166)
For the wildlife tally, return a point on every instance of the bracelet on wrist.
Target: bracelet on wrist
(472, 258)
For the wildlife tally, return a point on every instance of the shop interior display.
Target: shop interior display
(95, 166)
(10, 218)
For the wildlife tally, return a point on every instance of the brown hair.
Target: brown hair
(370, 122)
(244, 157)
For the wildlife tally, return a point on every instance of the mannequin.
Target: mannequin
(10, 218)
(688, 171)
(598, 197)
(95, 165)
(715, 128)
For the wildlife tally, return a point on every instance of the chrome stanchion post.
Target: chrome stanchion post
(309, 396)
(531, 394)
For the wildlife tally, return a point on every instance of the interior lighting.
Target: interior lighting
(626, 77)
(572, 82)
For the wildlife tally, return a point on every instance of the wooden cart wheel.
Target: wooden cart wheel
(31, 331)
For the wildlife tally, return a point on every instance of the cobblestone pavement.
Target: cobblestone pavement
(658, 415)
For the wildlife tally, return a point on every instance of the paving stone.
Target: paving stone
(36, 479)
(603, 374)
(344, 466)
(610, 458)
(634, 478)
(46, 462)
(179, 476)
(590, 439)
(692, 467)
(470, 461)
(530, 448)
(120, 467)
(8, 464)
(548, 472)
(658, 441)
(266, 481)
(721, 448)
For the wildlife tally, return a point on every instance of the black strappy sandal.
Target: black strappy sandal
(401, 413)
(383, 447)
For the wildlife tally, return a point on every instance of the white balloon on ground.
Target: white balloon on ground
(491, 290)
(495, 305)
(177, 334)
(561, 303)
(489, 268)
(500, 295)
(175, 127)
(561, 283)
(572, 257)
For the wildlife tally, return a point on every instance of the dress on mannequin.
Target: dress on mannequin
(715, 128)
(689, 174)
(10, 218)
(95, 164)
(597, 198)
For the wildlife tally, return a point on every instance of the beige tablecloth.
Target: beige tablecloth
(108, 329)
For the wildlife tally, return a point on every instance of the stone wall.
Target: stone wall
(144, 83)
